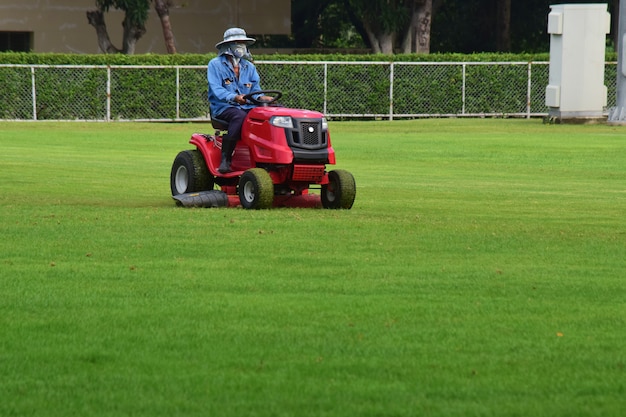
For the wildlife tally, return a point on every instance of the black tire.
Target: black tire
(340, 191)
(256, 189)
(190, 173)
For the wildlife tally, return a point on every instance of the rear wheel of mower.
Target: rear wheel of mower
(256, 189)
(190, 173)
(340, 191)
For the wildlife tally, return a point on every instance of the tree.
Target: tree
(416, 37)
(162, 8)
(503, 25)
(381, 20)
(390, 25)
(136, 14)
(469, 26)
(306, 23)
(135, 17)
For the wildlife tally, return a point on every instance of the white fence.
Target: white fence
(387, 90)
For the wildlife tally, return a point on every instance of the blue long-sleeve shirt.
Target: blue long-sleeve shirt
(224, 85)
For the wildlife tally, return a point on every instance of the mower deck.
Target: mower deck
(300, 201)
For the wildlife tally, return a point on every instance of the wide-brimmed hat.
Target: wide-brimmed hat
(235, 35)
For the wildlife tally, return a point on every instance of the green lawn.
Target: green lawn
(480, 273)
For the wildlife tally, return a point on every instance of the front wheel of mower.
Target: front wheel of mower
(340, 191)
(256, 189)
(190, 173)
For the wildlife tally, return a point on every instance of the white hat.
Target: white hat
(235, 35)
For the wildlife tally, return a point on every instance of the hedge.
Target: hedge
(202, 59)
(150, 93)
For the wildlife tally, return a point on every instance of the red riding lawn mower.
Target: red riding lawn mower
(282, 154)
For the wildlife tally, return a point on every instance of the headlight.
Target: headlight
(324, 124)
(282, 121)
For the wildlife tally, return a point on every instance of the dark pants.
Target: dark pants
(234, 116)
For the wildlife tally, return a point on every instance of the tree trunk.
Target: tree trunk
(162, 8)
(382, 42)
(615, 23)
(96, 19)
(416, 38)
(132, 33)
(503, 25)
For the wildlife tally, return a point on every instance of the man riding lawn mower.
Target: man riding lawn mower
(261, 152)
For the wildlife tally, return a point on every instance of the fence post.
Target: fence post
(108, 116)
(529, 90)
(463, 90)
(325, 87)
(391, 67)
(177, 92)
(33, 92)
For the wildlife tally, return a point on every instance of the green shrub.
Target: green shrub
(428, 89)
(302, 85)
(362, 88)
(15, 96)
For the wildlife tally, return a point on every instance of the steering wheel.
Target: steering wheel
(275, 94)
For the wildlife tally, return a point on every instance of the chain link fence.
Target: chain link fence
(338, 89)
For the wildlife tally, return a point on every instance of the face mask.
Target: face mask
(239, 50)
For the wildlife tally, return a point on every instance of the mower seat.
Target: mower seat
(218, 124)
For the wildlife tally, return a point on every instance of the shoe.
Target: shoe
(228, 147)
(224, 165)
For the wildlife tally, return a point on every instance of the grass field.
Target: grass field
(480, 273)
